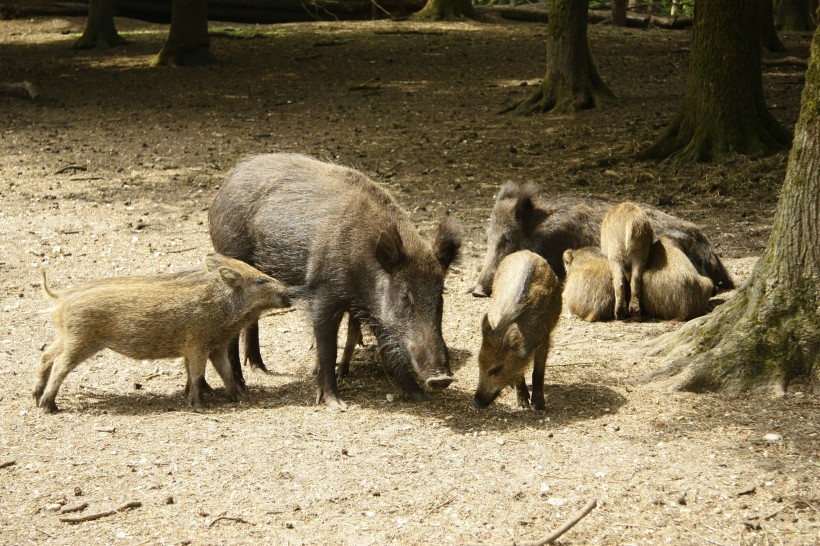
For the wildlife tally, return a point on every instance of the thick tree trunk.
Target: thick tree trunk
(100, 30)
(723, 109)
(768, 34)
(768, 335)
(572, 82)
(188, 42)
(438, 10)
(619, 13)
(795, 15)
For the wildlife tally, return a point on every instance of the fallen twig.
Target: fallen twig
(281, 311)
(7, 464)
(553, 536)
(180, 250)
(98, 515)
(796, 61)
(72, 168)
(220, 518)
(110, 430)
(76, 507)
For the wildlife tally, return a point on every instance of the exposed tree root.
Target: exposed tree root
(556, 95)
(195, 56)
(447, 10)
(758, 340)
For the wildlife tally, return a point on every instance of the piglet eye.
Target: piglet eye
(261, 280)
(496, 370)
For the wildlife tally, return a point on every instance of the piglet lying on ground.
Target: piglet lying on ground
(193, 315)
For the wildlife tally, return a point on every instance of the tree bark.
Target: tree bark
(768, 335)
(438, 10)
(188, 43)
(571, 82)
(768, 34)
(795, 15)
(619, 13)
(100, 31)
(723, 109)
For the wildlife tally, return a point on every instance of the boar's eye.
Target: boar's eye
(406, 298)
(261, 280)
(496, 370)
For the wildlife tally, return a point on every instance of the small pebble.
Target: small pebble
(53, 507)
(772, 437)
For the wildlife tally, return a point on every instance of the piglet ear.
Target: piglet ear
(508, 190)
(514, 341)
(390, 249)
(486, 328)
(447, 242)
(230, 276)
(213, 261)
(568, 257)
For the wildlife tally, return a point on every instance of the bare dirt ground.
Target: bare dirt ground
(111, 171)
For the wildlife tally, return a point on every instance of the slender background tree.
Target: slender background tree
(188, 42)
(100, 30)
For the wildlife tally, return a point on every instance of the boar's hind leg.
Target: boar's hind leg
(636, 289)
(326, 328)
(619, 284)
(253, 353)
(538, 366)
(63, 364)
(219, 357)
(354, 337)
(522, 392)
(46, 362)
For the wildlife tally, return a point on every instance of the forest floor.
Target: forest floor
(111, 170)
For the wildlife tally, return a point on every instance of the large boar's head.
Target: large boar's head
(513, 220)
(408, 303)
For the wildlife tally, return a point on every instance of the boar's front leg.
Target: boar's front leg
(522, 392)
(253, 353)
(538, 367)
(326, 328)
(236, 365)
(219, 357)
(195, 361)
(354, 337)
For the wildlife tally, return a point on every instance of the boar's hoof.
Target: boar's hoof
(48, 407)
(479, 292)
(331, 401)
(439, 383)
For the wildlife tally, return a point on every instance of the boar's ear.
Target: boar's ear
(514, 341)
(486, 329)
(213, 261)
(508, 190)
(447, 243)
(567, 258)
(525, 208)
(230, 276)
(390, 249)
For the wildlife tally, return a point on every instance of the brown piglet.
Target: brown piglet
(524, 308)
(626, 236)
(194, 315)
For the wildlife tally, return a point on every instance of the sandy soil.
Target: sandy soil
(111, 171)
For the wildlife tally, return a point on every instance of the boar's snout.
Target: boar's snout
(482, 400)
(439, 383)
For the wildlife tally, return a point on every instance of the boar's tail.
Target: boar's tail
(47, 292)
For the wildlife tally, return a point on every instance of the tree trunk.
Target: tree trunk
(572, 82)
(768, 34)
(768, 335)
(437, 10)
(619, 13)
(795, 15)
(723, 109)
(99, 27)
(188, 42)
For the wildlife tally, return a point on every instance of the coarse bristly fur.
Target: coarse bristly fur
(346, 239)
(193, 314)
(626, 236)
(523, 311)
(588, 291)
(523, 220)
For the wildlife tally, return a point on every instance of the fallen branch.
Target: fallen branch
(74, 168)
(553, 536)
(791, 60)
(98, 515)
(226, 518)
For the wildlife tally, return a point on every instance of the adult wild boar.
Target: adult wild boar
(348, 243)
(522, 220)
